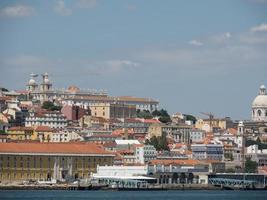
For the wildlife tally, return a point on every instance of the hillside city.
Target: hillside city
(74, 136)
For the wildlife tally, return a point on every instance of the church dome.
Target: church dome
(73, 88)
(31, 82)
(261, 99)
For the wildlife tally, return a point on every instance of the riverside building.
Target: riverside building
(50, 161)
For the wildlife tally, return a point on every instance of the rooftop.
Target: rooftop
(52, 148)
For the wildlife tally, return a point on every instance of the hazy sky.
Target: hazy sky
(192, 56)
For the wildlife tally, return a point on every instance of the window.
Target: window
(259, 112)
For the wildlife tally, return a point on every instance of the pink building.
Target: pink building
(73, 112)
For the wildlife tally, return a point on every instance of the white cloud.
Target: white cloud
(260, 28)
(32, 63)
(225, 57)
(227, 35)
(86, 3)
(220, 38)
(61, 8)
(111, 66)
(195, 43)
(253, 39)
(17, 11)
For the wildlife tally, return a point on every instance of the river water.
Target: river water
(134, 195)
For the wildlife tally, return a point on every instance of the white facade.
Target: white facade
(53, 120)
(145, 153)
(65, 136)
(239, 138)
(197, 135)
(259, 106)
(120, 171)
(259, 156)
(122, 144)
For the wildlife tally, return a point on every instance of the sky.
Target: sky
(193, 56)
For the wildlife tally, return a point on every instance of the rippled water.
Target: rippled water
(135, 195)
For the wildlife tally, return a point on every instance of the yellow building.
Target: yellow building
(21, 133)
(44, 133)
(180, 133)
(210, 124)
(111, 111)
(50, 161)
(39, 133)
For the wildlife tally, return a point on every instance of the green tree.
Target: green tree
(190, 118)
(160, 143)
(250, 166)
(156, 113)
(48, 105)
(4, 89)
(144, 114)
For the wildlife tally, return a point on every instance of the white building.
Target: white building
(65, 136)
(145, 153)
(125, 144)
(239, 137)
(121, 171)
(197, 135)
(52, 119)
(259, 106)
(259, 156)
(210, 151)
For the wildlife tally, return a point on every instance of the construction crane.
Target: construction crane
(211, 116)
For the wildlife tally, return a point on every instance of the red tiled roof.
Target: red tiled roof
(103, 136)
(43, 129)
(109, 144)
(20, 128)
(233, 131)
(50, 148)
(151, 121)
(121, 131)
(4, 98)
(174, 162)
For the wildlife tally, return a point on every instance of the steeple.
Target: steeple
(46, 84)
(240, 128)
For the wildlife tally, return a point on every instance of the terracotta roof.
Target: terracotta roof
(103, 136)
(233, 131)
(20, 128)
(109, 144)
(52, 148)
(132, 120)
(151, 121)
(174, 162)
(4, 98)
(138, 145)
(43, 129)
(118, 132)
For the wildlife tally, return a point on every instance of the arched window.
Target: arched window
(259, 112)
(265, 113)
(253, 113)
